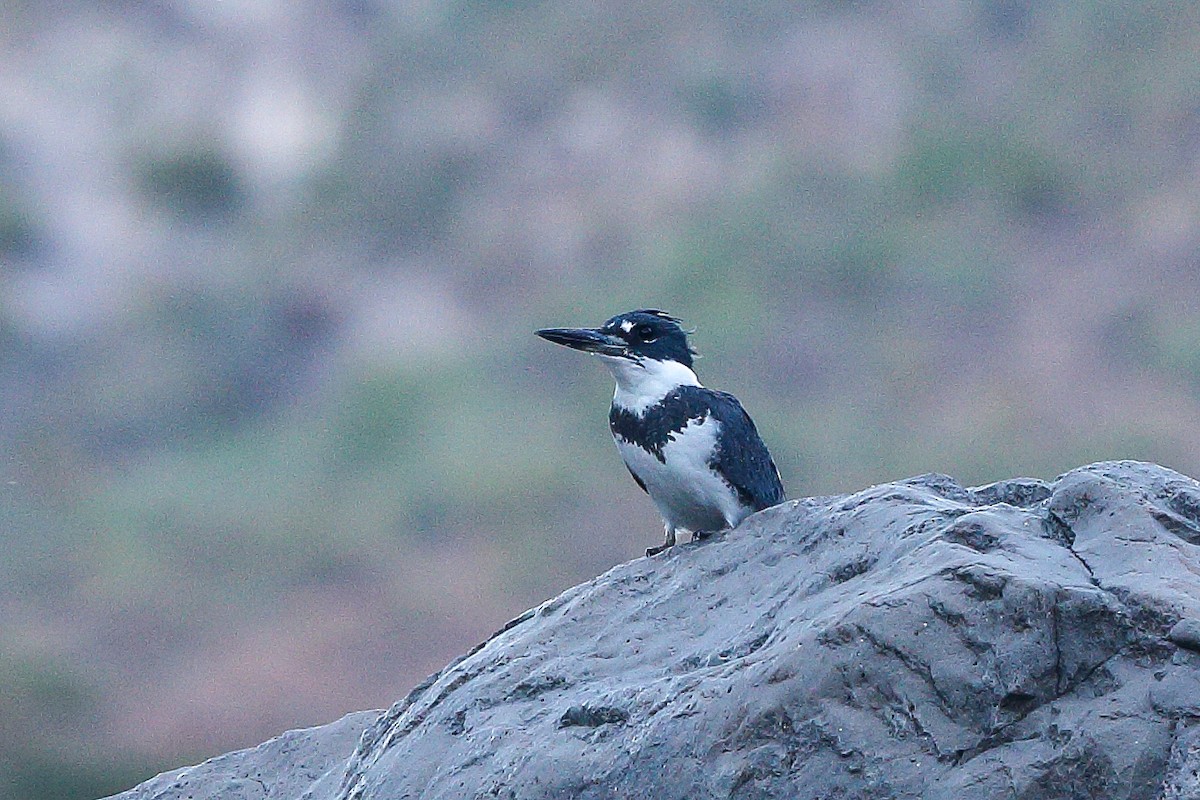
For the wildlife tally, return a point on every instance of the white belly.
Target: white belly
(688, 493)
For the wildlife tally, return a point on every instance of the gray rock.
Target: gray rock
(299, 761)
(1186, 633)
(914, 640)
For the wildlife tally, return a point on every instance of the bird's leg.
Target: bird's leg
(670, 542)
(700, 536)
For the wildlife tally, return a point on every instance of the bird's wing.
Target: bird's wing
(747, 465)
(638, 480)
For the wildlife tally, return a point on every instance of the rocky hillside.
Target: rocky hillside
(916, 639)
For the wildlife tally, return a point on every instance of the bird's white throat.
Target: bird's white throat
(642, 383)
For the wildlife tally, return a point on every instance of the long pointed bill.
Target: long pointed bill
(589, 340)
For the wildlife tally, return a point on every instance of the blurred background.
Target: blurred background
(276, 439)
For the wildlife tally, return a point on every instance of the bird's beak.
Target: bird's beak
(589, 340)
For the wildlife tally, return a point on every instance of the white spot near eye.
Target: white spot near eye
(627, 326)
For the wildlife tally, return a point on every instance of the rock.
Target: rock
(917, 639)
(1186, 633)
(286, 767)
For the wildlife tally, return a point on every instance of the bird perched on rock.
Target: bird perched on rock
(695, 451)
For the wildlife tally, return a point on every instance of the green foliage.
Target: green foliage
(41, 693)
(382, 413)
(944, 165)
(19, 231)
(1171, 345)
(482, 11)
(47, 686)
(721, 106)
(860, 266)
(390, 207)
(200, 184)
(30, 774)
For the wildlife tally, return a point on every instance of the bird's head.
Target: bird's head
(635, 336)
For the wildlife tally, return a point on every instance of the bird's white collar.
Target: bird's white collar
(642, 383)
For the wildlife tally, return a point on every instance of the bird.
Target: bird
(693, 450)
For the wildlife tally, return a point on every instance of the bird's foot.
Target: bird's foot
(700, 536)
(668, 542)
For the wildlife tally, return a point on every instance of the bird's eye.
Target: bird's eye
(646, 333)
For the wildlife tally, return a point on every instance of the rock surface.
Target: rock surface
(913, 640)
(309, 760)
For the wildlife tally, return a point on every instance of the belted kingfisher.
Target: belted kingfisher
(695, 451)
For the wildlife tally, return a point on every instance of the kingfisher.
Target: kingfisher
(695, 451)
